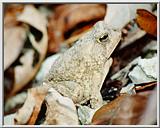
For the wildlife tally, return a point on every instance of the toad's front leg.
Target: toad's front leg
(69, 89)
(98, 79)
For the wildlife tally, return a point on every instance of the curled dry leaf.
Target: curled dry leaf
(123, 110)
(31, 108)
(33, 57)
(60, 110)
(145, 86)
(24, 113)
(14, 34)
(72, 19)
(147, 21)
(14, 38)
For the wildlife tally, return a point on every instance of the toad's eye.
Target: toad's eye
(104, 38)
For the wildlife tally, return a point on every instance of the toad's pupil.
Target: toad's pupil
(103, 38)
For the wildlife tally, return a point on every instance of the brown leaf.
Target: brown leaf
(131, 110)
(82, 13)
(123, 110)
(147, 21)
(130, 33)
(150, 114)
(145, 86)
(72, 19)
(11, 11)
(106, 112)
(53, 46)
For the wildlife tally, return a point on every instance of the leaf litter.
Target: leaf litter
(56, 28)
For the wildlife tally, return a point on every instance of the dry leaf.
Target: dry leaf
(14, 34)
(31, 108)
(39, 94)
(53, 46)
(123, 73)
(145, 86)
(60, 110)
(125, 110)
(144, 71)
(147, 21)
(24, 113)
(11, 11)
(121, 58)
(72, 19)
(33, 57)
(150, 114)
(131, 35)
(106, 112)
(126, 13)
(14, 38)
(82, 13)
(131, 110)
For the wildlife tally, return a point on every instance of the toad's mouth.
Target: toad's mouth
(113, 49)
(108, 58)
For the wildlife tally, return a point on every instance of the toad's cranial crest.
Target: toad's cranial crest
(80, 71)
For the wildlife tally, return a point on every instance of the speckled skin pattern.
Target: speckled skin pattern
(80, 72)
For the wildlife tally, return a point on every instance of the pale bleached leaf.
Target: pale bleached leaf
(14, 38)
(60, 110)
(145, 71)
(27, 70)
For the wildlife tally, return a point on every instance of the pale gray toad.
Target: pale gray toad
(80, 71)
